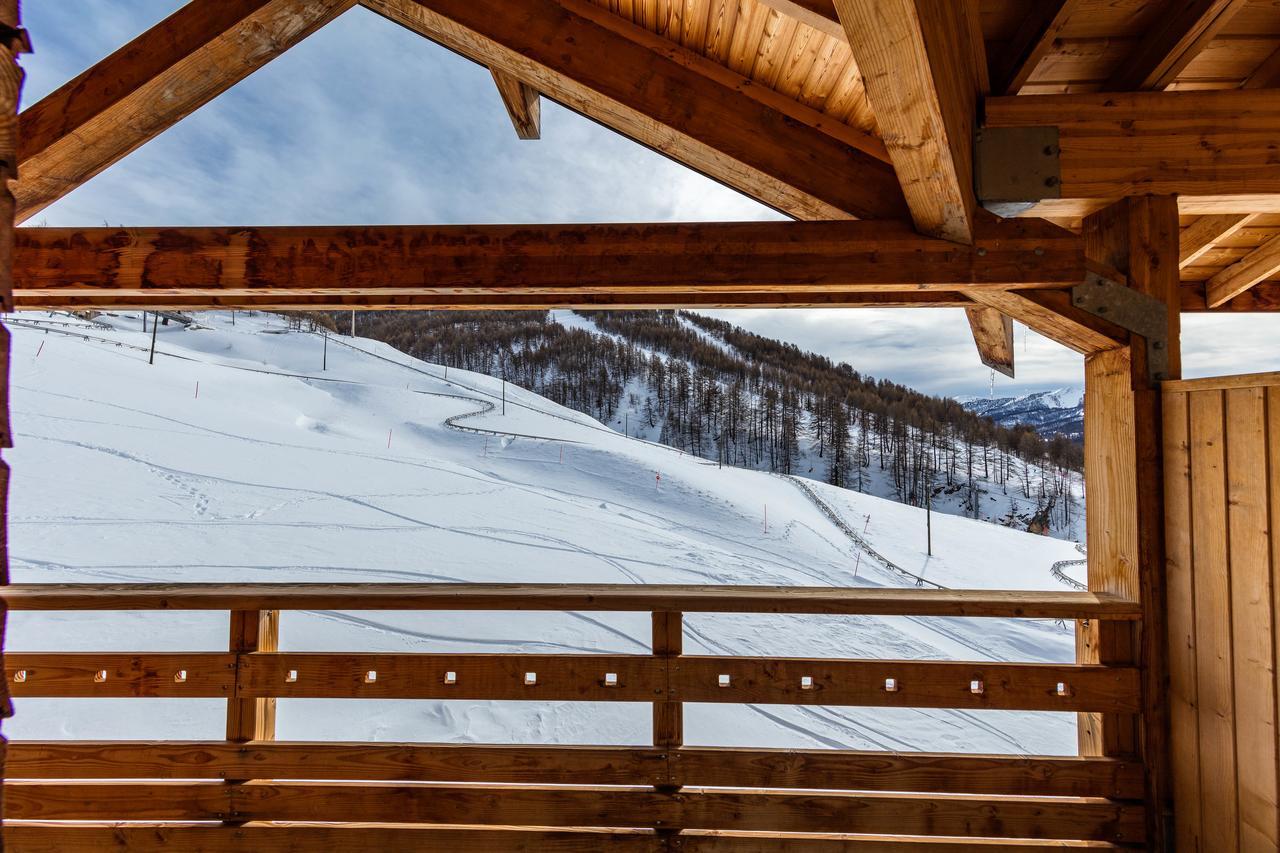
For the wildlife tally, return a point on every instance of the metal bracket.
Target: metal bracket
(1136, 312)
(1014, 168)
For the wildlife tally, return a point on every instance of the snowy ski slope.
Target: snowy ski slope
(381, 469)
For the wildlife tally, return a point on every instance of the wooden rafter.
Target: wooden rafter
(556, 262)
(924, 69)
(1051, 314)
(1262, 263)
(522, 103)
(1201, 235)
(680, 103)
(150, 84)
(1213, 149)
(1177, 38)
(819, 14)
(1030, 44)
(1264, 296)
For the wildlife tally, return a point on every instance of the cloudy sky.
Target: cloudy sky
(365, 122)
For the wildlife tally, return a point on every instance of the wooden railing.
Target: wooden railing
(252, 792)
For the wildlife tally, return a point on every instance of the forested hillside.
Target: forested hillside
(737, 398)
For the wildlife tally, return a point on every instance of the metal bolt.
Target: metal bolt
(1049, 151)
(1051, 181)
(1102, 309)
(1039, 250)
(982, 250)
(1157, 344)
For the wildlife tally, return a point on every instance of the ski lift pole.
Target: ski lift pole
(155, 324)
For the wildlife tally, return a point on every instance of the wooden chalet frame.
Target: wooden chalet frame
(887, 215)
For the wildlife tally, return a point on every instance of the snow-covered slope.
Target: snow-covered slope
(1050, 412)
(234, 457)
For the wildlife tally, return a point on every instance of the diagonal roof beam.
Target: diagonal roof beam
(923, 66)
(523, 104)
(1201, 236)
(1262, 263)
(1030, 44)
(1178, 37)
(151, 83)
(695, 111)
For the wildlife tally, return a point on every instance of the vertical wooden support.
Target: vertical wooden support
(1125, 506)
(668, 712)
(13, 41)
(252, 631)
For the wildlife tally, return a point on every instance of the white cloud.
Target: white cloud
(367, 122)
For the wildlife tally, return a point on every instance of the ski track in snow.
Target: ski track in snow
(587, 513)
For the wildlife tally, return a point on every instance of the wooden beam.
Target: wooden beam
(678, 102)
(617, 259)
(1262, 263)
(522, 103)
(953, 773)
(819, 14)
(1050, 313)
(252, 631)
(1030, 44)
(148, 85)
(917, 61)
(1003, 604)
(1201, 236)
(1178, 36)
(520, 805)
(504, 302)
(923, 67)
(1266, 75)
(1264, 296)
(1215, 144)
(993, 333)
(1124, 467)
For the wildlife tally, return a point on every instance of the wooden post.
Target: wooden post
(668, 712)
(251, 719)
(1125, 507)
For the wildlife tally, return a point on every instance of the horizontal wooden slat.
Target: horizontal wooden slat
(592, 765)
(113, 674)
(907, 771)
(917, 684)
(520, 805)
(600, 597)
(640, 678)
(296, 838)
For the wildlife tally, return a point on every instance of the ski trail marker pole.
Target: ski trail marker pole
(388, 439)
(39, 349)
(197, 389)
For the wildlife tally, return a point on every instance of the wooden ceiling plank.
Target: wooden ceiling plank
(150, 84)
(1201, 235)
(682, 104)
(1262, 263)
(522, 102)
(1178, 37)
(1031, 43)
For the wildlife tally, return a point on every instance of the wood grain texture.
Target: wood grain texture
(1030, 44)
(1213, 622)
(1212, 143)
(921, 75)
(993, 335)
(1253, 628)
(145, 674)
(252, 631)
(523, 104)
(529, 259)
(1201, 235)
(1177, 38)
(1051, 314)
(593, 765)
(677, 101)
(1262, 263)
(1015, 604)
(150, 84)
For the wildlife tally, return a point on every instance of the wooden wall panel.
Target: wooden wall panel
(1222, 447)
